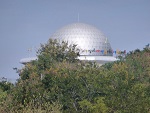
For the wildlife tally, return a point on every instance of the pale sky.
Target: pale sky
(27, 23)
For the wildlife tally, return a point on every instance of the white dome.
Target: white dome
(89, 39)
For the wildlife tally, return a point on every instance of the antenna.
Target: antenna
(30, 50)
(78, 17)
(106, 40)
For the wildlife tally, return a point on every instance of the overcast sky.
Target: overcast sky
(27, 23)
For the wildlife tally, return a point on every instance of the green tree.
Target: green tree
(128, 84)
(58, 82)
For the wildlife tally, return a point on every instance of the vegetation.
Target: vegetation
(59, 83)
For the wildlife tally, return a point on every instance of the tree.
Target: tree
(128, 84)
(58, 82)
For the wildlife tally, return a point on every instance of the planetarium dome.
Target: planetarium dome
(93, 44)
(90, 40)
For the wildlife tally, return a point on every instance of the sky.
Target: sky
(26, 24)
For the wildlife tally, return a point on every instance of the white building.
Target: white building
(93, 44)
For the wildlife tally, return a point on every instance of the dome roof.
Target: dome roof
(89, 39)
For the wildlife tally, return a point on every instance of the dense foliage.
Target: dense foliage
(59, 82)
